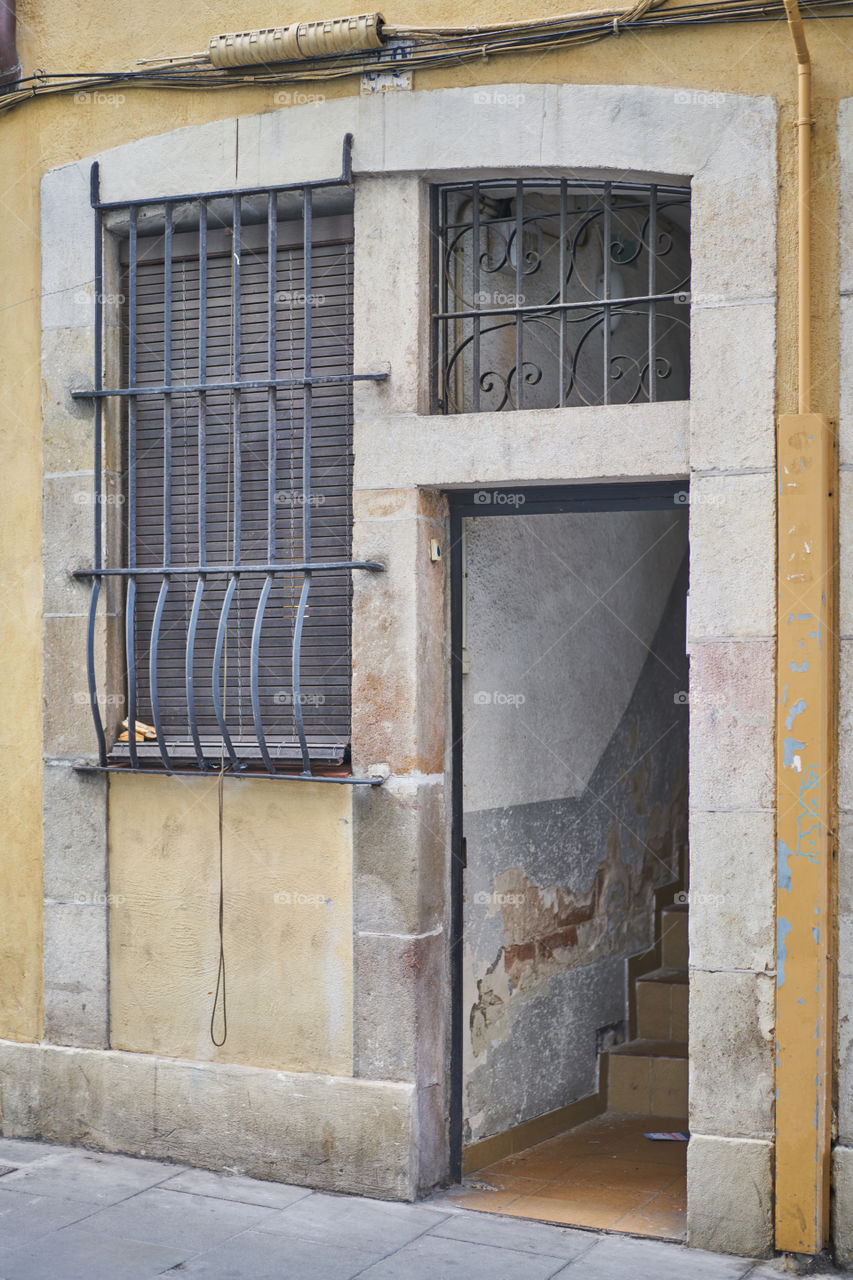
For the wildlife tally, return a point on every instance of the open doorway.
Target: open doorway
(570, 681)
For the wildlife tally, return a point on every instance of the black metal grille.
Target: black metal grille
(551, 293)
(237, 453)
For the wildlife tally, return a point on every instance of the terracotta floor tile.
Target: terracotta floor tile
(648, 1221)
(489, 1201)
(613, 1171)
(531, 1164)
(597, 1207)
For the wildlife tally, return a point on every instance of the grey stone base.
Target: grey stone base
(730, 1195)
(842, 1205)
(330, 1132)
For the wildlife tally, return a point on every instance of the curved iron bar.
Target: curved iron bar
(130, 654)
(190, 660)
(152, 675)
(217, 674)
(90, 672)
(254, 677)
(297, 676)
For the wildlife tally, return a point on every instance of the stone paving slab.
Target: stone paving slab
(71, 1214)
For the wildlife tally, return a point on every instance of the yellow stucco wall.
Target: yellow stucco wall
(287, 865)
(308, 828)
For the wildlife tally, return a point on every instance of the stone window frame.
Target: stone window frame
(724, 438)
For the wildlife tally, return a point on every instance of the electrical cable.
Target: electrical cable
(440, 47)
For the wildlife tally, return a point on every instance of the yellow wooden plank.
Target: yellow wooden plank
(804, 797)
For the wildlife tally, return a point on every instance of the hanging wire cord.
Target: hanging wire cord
(428, 47)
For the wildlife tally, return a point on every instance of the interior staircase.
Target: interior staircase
(647, 1075)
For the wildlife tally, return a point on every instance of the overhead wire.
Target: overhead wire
(427, 48)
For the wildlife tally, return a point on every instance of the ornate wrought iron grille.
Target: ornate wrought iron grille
(231, 422)
(550, 293)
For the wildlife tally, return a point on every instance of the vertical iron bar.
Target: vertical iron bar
(236, 338)
(475, 268)
(167, 486)
(130, 600)
(457, 921)
(436, 270)
(272, 467)
(307, 211)
(218, 653)
(564, 195)
(98, 464)
(519, 265)
(605, 290)
(653, 237)
(202, 481)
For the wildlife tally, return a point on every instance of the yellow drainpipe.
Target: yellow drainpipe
(805, 759)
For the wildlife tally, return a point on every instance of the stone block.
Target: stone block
(639, 440)
(76, 973)
(732, 556)
(398, 654)
(400, 838)
(75, 834)
(69, 514)
(845, 725)
(401, 998)
(732, 715)
(731, 1053)
(732, 891)
(842, 1204)
(390, 294)
(730, 1195)
(723, 339)
(68, 248)
(201, 157)
(330, 1132)
(845, 549)
(68, 357)
(845, 373)
(68, 726)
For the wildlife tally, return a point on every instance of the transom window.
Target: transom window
(550, 292)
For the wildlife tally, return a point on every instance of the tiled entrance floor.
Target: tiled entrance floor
(604, 1174)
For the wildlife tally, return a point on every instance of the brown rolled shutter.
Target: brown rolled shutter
(326, 640)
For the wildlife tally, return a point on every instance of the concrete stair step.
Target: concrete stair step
(674, 936)
(662, 1005)
(648, 1077)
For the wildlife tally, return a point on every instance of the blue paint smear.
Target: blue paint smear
(816, 935)
(783, 871)
(802, 1000)
(791, 745)
(783, 928)
(796, 710)
(804, 666)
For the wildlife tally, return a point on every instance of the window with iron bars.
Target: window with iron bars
(553, 292)
(233, 409)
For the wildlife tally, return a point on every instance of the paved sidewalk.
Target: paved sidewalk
(69, 1214)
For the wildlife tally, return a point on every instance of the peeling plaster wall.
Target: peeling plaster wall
(559, 890)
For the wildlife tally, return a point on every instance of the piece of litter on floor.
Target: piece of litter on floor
(667, 1137)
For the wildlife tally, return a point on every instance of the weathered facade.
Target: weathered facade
(341, 903)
